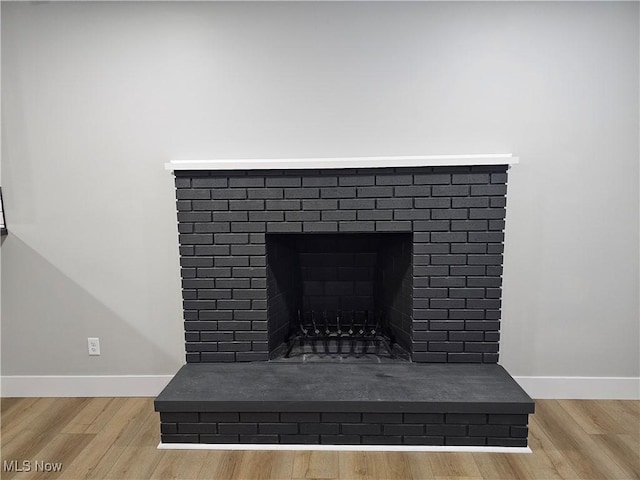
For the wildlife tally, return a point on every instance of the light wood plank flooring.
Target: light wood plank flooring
(116, 438)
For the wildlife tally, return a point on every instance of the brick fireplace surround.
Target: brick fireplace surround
(426, 248)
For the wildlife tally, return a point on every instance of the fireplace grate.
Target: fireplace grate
(357, 334)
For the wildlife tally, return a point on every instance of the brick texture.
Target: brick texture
(338, 428)
(455, 216)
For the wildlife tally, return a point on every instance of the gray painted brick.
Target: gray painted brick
(403, 429)
(440, 270)
(228, 194)
(468, 270)
(265, 193)
(282, 204)
(410, 214)
(387, 226)
(488, 190)
(448, 259)
(302, 216)
(212, 250)
(361, 428)
(469, 225)
(283, 181)
(375, 214)
(375, 192)
(481, 347)
(432, 179)
(446, 430)
(193, 194)
(338, 192)
(209, 182)
(210, 204)
(382, 417)
(337, 215)
(431, 225)
(278, 428)
(211, 439)
(448, 237)
(213, 294)
(237, 428)
(430, 357)
(412, 191)
(341, 417)
(234, 346)
(250, 315)
(446, 346)
(357, 204)
(485, 237)
(291, 193)
(319, 204)
(498, 178)
(430, 293)
(464, 357)
(262, 216)
(425, 248)
(496, 202)
(468, 248)
(320, 227)
(252, 356)
(485, 259)
(248, 250)
(217, 227)
(394, 179)
(470, 202)
(466, 293)
(440, 202)
(446, 324)
(356, 226)
(233, 283)
(234, 325)
(247, 272)
(310, 417)
(320, 181)
(229, 216)
(248, 227)
(496, 225)
(519, 432)
(483, 325)
(449, 214)
(195, 239)
(284, 227)
(490, 213)
(246, 182)
(391, 203)
(186, 205)
(300, 439)
(217, 357)
(469, 178)
(450, 190)
(356, 180)
(506, 419)
(194, 216)
(182, 182)
(466, 314)
(216, 336)
(319, 428)
(447, 281)
(248, 204)
(231, 238)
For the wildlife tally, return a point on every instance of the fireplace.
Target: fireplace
(394, 261)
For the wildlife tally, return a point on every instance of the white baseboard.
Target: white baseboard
(613, 388)
(340, 448)
(83, 385)
(595, 388)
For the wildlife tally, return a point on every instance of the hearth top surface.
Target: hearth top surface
(270, 386)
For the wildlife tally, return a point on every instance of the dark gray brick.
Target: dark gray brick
(481, 347)
(470, 202)
(265, 193)
(464, 357)
(246, 182)
(466, 314)
(250, 315)
(446, 430)
(498, 202)
(284, 227)
(182, 182)
(196, 262)
(376, 214)
(278, 428)
(448, 237)
(431, 225)
(320, 181)
(498, 178)
(338, 192)
(195, 239)
(229, 216)
(432, 179)
(469, 178)
(381, 440)
(504, 419)
(180, 438)
(426, 336)
(228, 194)
(483, 303)
(486, 237)
(449, 214)
(490, 213)
(413, 191)
(308, 417)
(466, 418)
(356, 226)
(216, 336)
(361, 428)
(262, 216)
(496, 225)
(446, 346)
(340, 439)
(485, 259)
(210, 182)
(212, 250)
(440, 270)
(356, 180)
(210, 428)
(469, 225)
(238, 428)
(429, 357)
(341, 417)
(211, 439)
(466, 292)
(283, 181)
(432, 418)
(248, 227)
(448, 259)
(394, 179)
(488, 190)
(410, 214)
(429, 314)
(300, 439)
(234, 346)
(217, 227)
(391, 203)
(252, 356)
(186, 205)
(426, 248)
(488, 430)
(180, 416)
(375, 192)
(291, 193)
(519, 432)
(423, 440)
(403, 429)
(357, 204)
(193, 194)
(214, 272)
(382, 417)
(507, 442)
(168, 428)
(257, 439)
(468, 248)
(429, 292)
(210, 205)
(465, 441)
(234, 325)
(248, 204)
(194, 217)
(484, 325)
(185, 228)
(319, 428)
(282, 204)
(336, 215)
(446, 325)
(302, 216)
(320, 227)
(450, 190)
(213, 294)
(434, 203)
(217, 357)
(214, 315)
(231, 238)
(389, 226)
(319, 204)
(248, 249)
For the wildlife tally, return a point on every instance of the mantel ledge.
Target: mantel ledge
(344, 162)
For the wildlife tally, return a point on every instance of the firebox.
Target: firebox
(341, 296)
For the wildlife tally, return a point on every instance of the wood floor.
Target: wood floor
(116, 438)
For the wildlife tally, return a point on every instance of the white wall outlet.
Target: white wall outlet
(94, 346)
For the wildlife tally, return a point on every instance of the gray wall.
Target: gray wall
(95, 97)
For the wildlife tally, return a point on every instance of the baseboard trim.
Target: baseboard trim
(585, 388)
(83, 385)
(343, 448)
(597, 388)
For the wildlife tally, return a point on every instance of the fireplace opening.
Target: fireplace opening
(339, 297)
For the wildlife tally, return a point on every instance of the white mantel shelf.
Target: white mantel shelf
(344, 162)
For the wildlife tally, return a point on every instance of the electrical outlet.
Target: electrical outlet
(94, 346)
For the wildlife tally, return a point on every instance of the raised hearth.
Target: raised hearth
(392, 404)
